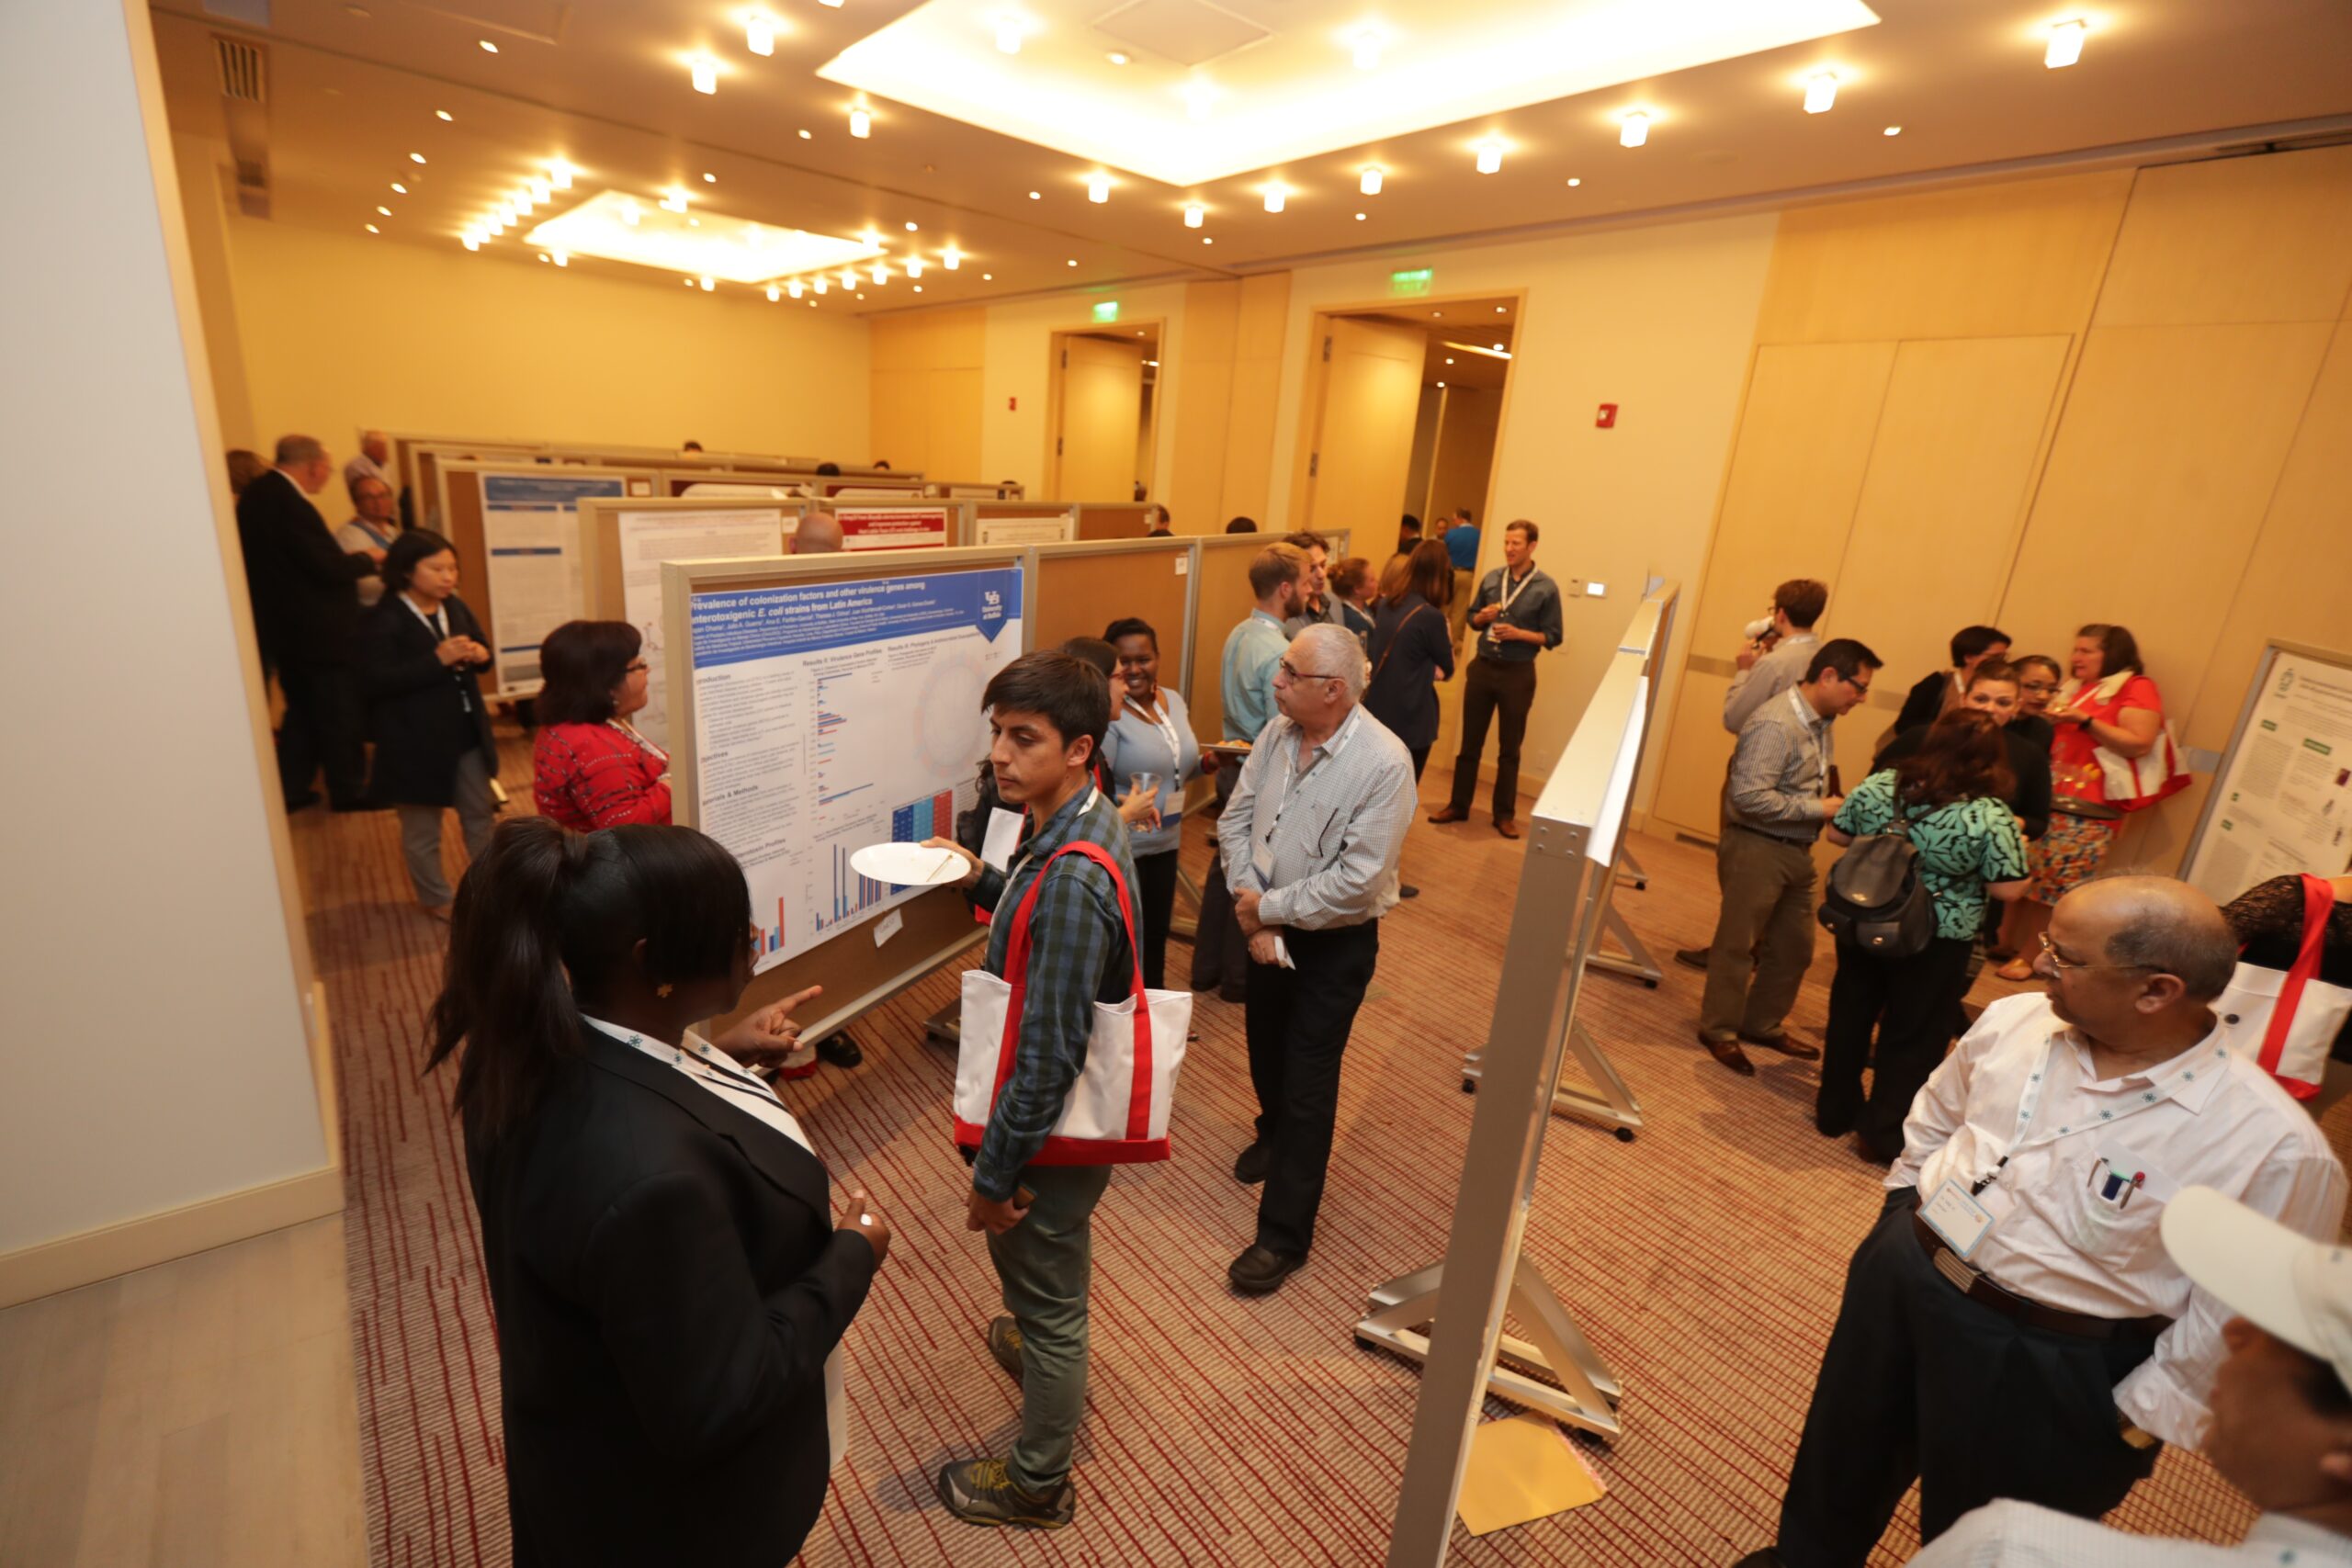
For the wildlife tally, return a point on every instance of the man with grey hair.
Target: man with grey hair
(819, 533)
(1310, 842)
(305, 619)
(374, 453)
(2012, 1327)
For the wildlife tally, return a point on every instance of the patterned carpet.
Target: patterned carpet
(1703, 1261)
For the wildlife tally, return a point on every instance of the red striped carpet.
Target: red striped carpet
(1703, 1261)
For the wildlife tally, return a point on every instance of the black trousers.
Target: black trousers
(1220, 952)
(1297, 1023)
(1156, 905)
(321, 729)
(1493, 688)
(1911, 1002)
(1921, 1384)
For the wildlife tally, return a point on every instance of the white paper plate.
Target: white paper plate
(908, 865)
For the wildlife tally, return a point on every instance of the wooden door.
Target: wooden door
(1101, 407)
(1363, 439)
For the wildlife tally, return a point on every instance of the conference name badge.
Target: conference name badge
(1958, 1218)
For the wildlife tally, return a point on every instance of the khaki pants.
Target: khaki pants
(1763, 937)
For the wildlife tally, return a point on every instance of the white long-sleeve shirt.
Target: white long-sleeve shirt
(2018, 1535)
(1321, 841)
(2059, 1234)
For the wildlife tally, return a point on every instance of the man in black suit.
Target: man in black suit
(306, 616)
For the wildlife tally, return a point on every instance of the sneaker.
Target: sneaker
(1004, 1344)
(980, 1492)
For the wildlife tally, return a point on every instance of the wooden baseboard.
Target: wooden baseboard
(69, 1261)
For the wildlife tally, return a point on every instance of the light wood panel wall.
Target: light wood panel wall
(927, 389)
(1220, 423)
(2123, 396)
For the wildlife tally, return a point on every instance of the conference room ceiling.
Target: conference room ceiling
(352, 95)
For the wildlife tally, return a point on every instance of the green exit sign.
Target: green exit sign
(1106, 310)
(1416, 281)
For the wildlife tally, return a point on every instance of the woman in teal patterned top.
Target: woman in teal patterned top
(1949, 793)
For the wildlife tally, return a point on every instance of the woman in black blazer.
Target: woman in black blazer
(420, 652)
(1411, 650)
(668, 1281)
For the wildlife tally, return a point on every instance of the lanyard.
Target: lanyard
(1293, 777)
(437, 624)
(701, 1066)
(1509, 592)
(2030, 1105)
(640, 742)
(1166, 724)
(1013, 871)
(1813, 727)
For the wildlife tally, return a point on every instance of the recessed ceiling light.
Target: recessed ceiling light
(988, 277)
(775, 293)
(400, 188)
(1098, 187)
(384, 211)
(1208, 240)
(861, 296)
(918, 287)
(708, 178)
(1360, 217)
(1820, 92)
(562, 258)
(1195, 215)
(560, 175)
(1499, 348)
(1008, 29)
(487, 47)
(1115, 58)
(2065, 43)
(373, 230)
(1490, 154)
(694, 222)
(860, 123)
(804, 135)
(1440, 386)
(543, 255)
(913, 226)
(1073, 261)
(1575, 181)
(417, 157)
(1633, 130)
(540, 190)
(759, 37)
(707, 283)
(1448, 361)
(951, 259)
(1892, 131)
(914, 266)
(796, 287)
(471, 242)
(1502, 309)
(443, 114)
(1036, 196)
(703, 70)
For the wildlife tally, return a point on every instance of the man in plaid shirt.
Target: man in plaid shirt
(1046, 716)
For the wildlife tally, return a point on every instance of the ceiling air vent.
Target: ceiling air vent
(240, 70)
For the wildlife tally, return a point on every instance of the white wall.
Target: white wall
(1658, 321)
(154, 1054)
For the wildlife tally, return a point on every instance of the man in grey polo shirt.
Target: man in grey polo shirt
(1777, 797)
(1310, 840)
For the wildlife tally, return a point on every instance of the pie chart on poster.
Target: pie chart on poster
(908, 865)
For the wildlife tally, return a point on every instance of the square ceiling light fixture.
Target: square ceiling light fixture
(699, 245)
(1215, 90)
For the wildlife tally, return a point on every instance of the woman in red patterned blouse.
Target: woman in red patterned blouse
(590, 767)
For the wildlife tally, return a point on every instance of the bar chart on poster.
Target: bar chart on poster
(833, 715)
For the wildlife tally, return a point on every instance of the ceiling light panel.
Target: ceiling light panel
(715, 246)
(1208, 95)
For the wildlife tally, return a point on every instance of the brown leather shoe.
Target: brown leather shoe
(1508, 827)
(1728, 1053)
(1785, 1043)
(1450, 814)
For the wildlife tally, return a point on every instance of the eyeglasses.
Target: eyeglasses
(1305, 674)
(2068, 966)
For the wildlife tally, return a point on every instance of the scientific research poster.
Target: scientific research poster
(831, 715)
(1034, 528)
(531, 528)
(648, 538)
(891, 527)
(2283, 801)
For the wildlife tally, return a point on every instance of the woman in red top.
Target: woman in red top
(590, 768)
(2111, 706)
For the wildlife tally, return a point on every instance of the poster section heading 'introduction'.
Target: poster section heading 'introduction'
(832, 714)
(532, 537)
(2282, 800)
(648, 538)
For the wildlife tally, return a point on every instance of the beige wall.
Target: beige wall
(157, 1060)
(1466, 451)
(343, 333)
(201, 164)
(926, 393)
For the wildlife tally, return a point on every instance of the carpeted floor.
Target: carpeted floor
(1704, 1260)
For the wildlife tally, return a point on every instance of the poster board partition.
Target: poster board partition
(1082, 587)
(862, 964)
(1020, 522)
(1113, 519)
(2281, 800)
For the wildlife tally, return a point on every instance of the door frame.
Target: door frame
(1056, 342)
(1317, 389)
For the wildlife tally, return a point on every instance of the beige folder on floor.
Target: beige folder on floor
(1523, 1469)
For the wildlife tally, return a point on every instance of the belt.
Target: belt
(1776, 838)
(1979, 1287)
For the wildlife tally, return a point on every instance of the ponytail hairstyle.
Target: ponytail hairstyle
(546, 922)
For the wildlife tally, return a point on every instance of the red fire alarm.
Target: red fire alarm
(1607, 417)
(1013, 403)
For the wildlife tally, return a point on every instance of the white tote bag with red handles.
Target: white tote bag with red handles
(1117, 1111)
(2286, 1020)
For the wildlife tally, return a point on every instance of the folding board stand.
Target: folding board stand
(1574, 838)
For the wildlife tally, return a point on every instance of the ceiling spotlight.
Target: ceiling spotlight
(674, 198)
(1208, 240)
(822, 285)
(540, 190)
(703, 70)
(383, 212)
(708, 178)
(522, 204)
(794, 288)
(373, 230)
(630, 213)
(705, 283)
(1195, 215)
(861, 124)
(560, 175)
(487, 47)
(1115, 58)
(400, 188)
(914, 266)
(1360, 217)
(1276, 196)
(951, 259)
(918, 287)
(2065, 43)
(849, 278)
(417, 157)
(1440, 386)
(506, 213)
(1575, 181)
(759, 37)
(913, 226)
(835, 5)
(1073, 261)
(443, 114)
(1499, 348)
(1820, 92)
(1369, 181)
(1365, 46)
(1502, 309)
(988, 277)
(562, 258)
(1036, 196)
(1491, 156)
(804, 133)
(775, 293)
(1892, 131)
(471, 242)
(1008, 29)
(1449, 359)
(1633, 130)
(1098, 187)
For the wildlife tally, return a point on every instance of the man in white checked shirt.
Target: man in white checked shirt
(2012, 1327)
(1310, 840)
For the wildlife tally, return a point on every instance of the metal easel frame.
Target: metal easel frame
(1576, 835)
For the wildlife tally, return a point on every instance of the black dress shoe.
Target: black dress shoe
(1251, 1166)
(1692, 957)
(1258, 1272)
(840, 1050)
(1767, 1558)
